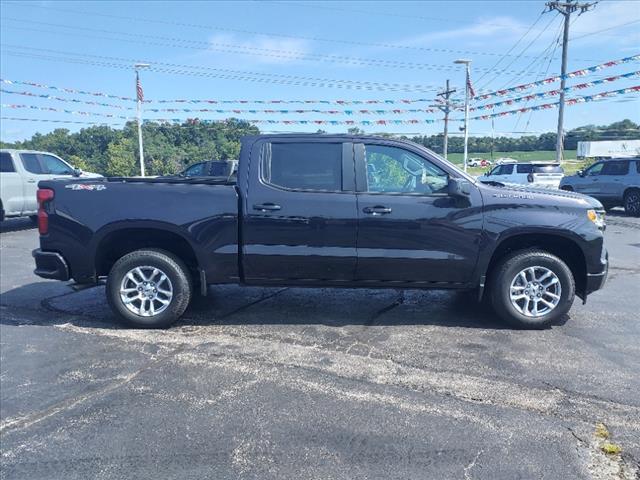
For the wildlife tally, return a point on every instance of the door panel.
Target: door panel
(416, 236)
(33, 173)
(11, 186)
(590, 183)
(299, 217)
(612, 179)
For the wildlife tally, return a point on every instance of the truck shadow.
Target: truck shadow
(245, 306)
(16, 225)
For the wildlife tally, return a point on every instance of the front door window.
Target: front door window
(395, 170)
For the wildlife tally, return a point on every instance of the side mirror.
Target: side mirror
(580, 173)
(77, 172)
(459, 187)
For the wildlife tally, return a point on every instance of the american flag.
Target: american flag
(472, 92)
(139, 89)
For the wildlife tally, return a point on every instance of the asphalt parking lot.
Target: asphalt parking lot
(313, 383)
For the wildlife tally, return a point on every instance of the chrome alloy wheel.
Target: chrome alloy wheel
(146, 291)
(535, 291)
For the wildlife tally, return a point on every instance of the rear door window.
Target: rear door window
(303, 166)
(616, 168)
(524, 168)
(31, 163)
(6, 163)
(547, 169)
(506, 169)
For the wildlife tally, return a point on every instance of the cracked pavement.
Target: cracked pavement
(316, 383)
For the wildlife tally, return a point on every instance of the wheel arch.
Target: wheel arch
(117, 242)
(563, 246)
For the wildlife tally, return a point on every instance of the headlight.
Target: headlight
(597, 217)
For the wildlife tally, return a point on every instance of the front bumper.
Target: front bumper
(50, 265)
(595, 281)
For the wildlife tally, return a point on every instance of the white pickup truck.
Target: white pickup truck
(20, 172)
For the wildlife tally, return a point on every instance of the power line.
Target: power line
(540, 58)
(566, 9)
(505, 55)
(419, 17)
(164, 67)
(246, 50)
(613, 27)
(517, 57)
(253, 32)
(546, 72)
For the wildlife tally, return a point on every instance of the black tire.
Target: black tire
(506, 271)
(171, 266)
(34, 219)
(632, 202)
(567, 188)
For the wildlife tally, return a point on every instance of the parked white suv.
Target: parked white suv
(539, 174)
(20, 172)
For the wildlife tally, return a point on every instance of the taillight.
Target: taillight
(44, 195)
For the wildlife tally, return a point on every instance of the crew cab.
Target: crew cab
(20, 172)
(322, 211)
(613, 182)
(539, 174)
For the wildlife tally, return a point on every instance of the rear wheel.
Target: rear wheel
(532, 288)
(632, 202)
(566, 188)
(149, 288)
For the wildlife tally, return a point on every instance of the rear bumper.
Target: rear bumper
(50, 265)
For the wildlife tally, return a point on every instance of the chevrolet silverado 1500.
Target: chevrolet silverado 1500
(322, 211)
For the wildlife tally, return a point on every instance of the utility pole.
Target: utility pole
(566, 9)
(446, 109)
(467, 98)
(140, 99)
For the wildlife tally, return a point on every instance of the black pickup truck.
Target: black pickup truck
(322, 211)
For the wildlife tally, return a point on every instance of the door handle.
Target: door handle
(377, 210)
(267, 207)
(31, 180)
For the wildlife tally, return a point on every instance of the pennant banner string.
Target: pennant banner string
(571, 101)
(557, 78)
(553, 93)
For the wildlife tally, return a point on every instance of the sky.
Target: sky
(295, 50)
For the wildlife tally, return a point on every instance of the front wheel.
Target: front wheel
(149, 288)
(532, 288)
(632, 203)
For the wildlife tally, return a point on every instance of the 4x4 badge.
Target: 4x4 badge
(86, 186)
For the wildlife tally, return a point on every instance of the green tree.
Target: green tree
(121, 159)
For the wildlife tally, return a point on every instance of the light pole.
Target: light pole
(140, 99)
(466, 108)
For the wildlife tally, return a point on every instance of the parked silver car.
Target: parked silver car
(614, 182)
